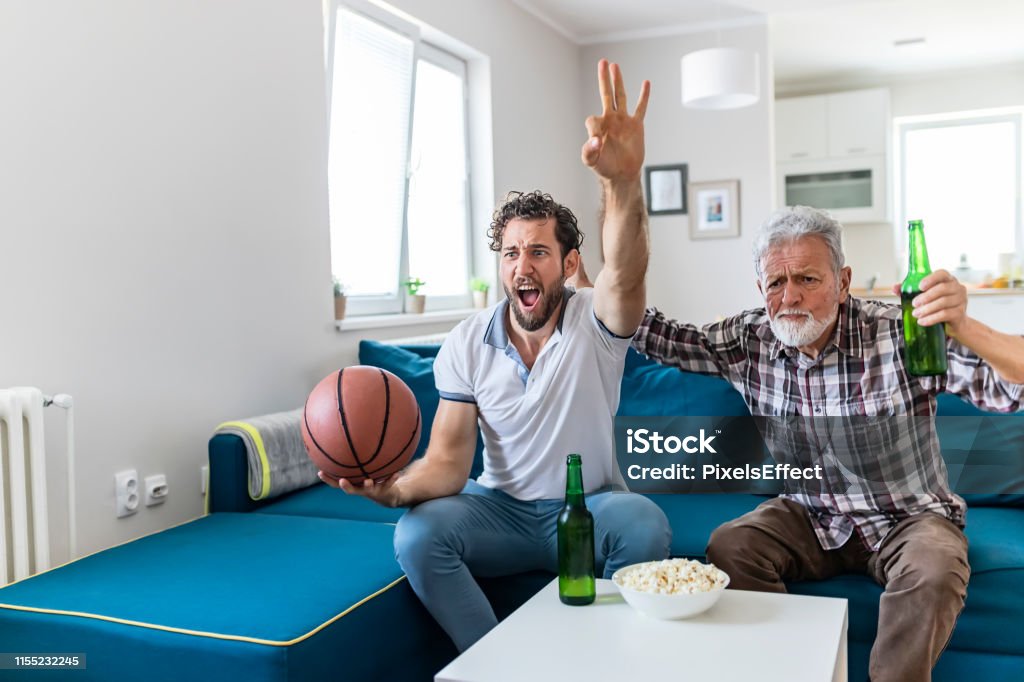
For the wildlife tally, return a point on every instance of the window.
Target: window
(962, 175)
(398, 168)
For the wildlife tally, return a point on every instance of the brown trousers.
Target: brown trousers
(921, 563)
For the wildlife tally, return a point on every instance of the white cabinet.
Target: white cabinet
(1002, 312)
(840, 125)
(800, 129)
(857, 122)
(832, 153)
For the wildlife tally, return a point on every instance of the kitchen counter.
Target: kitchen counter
(1001, 309)
(879, 292)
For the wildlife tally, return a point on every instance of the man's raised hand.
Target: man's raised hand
(615, 148)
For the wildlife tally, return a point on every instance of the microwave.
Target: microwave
(852, 189)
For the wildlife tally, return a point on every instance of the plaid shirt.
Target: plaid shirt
(861, 376)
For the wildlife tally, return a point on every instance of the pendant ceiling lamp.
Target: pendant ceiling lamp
(720, 78)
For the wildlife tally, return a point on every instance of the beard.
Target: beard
(803, 332)
(543, 309)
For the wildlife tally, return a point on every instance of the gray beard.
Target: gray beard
(797, 334)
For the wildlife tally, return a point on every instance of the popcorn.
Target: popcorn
(673, 576)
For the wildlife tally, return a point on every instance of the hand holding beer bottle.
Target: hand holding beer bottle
(925, 346)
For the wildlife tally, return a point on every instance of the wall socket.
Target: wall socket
(156, 489)
(126, 492)
(204, 476)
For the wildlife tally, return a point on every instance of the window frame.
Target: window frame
(448, 61)
(442, 58)
(905, 125)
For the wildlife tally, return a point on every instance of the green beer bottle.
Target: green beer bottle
(575, 541)
(925, 346)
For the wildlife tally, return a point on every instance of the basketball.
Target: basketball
(361, 422)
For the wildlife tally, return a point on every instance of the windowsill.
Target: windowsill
(402, 319)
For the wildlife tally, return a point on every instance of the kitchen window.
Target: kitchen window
(962, 175)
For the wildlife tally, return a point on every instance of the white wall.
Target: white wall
(986, 88)
(163, 217)
(695, 280)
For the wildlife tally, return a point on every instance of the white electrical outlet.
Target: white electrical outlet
(126, 492)
(204, 476)
(156, 489)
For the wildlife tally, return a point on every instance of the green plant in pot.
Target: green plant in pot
(479, 286)
(339, 299)
(416, 299)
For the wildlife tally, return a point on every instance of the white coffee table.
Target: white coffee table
(745, 636)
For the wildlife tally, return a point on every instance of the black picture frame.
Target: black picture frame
(665, 188)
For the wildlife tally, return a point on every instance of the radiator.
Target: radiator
(24, 538)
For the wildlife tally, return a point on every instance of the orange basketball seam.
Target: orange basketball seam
(401, 452)
(344, 426)
(387, 416)
(305, 422)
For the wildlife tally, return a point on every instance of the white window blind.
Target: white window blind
(369, 125)
(397, 164)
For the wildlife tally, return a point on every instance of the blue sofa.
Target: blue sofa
(305, 586)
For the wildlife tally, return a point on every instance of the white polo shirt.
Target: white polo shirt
(531, 419)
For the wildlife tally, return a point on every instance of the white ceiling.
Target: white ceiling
(817, 40)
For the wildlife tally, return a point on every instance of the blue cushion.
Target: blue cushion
(412, 368)
(955, 666)
(210, 558)
(232, 596)
(949, 405)
(989, 443)
(995, 599)
(694, 516)
(415, 366)
(863, 594)
(650, 389)
(322, 500)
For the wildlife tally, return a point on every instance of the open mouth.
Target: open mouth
(528, 296)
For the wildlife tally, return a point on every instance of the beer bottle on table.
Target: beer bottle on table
(925, 346)
(576, 584)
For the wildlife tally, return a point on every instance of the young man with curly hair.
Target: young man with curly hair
(539, 375)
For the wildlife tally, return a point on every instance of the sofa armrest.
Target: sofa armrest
(228, 490)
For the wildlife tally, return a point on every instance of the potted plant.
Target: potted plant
(339, 300)
(479, 286)
(416, 299)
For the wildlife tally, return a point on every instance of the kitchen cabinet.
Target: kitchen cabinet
(832, 153)
(1002, 312)
(839, 125)
(857, 123)
(801, 132)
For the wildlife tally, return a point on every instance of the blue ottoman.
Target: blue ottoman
(231, 596)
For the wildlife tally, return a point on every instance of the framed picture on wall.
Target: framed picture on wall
(666, 189)
(714, 209)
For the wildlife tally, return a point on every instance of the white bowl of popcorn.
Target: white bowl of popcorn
(670, 589)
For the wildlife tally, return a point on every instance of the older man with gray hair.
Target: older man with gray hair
(815, 351)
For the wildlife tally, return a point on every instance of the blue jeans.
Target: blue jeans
(441, 544)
